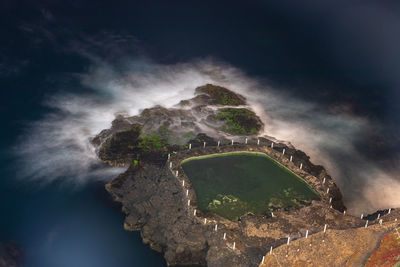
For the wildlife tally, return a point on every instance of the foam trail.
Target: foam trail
(58, 145)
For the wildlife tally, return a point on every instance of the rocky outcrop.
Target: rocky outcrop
(155, 201)
(121, 147)
(239, 121)
(218, 95)
(178, 125)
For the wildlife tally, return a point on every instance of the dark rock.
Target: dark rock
(155, 202)
(122, 147)
(221, 96)
(199, 140)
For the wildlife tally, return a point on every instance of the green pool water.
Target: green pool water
(233, 184)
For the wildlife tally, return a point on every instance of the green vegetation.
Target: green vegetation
(151, 143)
(232, 184)
(226, 100)
(239, 121)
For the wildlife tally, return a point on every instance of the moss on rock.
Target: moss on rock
(132, 146)
(152, 143)
(239, 121)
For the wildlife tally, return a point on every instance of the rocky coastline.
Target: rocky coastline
(155, 201)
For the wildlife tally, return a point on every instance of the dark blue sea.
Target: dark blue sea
(60, 225)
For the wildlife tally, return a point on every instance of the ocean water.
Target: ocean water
(60, 224)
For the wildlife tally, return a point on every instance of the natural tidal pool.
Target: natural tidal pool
(232, 184)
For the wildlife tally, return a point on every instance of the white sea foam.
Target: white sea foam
(58, 145)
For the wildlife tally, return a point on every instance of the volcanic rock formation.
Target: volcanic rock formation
(154, 198)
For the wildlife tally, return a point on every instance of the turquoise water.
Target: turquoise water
(235, 183)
